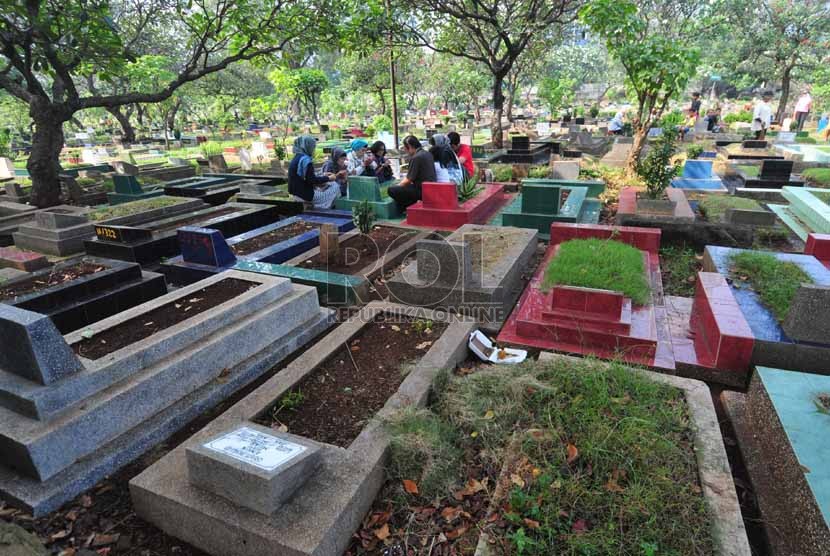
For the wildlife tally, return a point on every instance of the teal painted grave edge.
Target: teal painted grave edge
(343, 286)
(595, 187)
(792, 394)
(121, 198)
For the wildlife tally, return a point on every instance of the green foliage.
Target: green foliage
(679, 265)
(303, 84)
(363, 216)
(744, 116)
(538, 172)
(558, 92)
(502, 172)
(806, 140)
(211, 148)
(657, 169)
(279, 151)
(601, 264)
(289, 402)
(714, 206)
(382, 122)
(133, 207)
(422, 326)
(468, 189)
(775, 281)
(6, 143)
(671, 120)
(594, 111)
(694, 151)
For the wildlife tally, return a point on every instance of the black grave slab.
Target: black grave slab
(774, 174)
(231, 219)
(80, 302)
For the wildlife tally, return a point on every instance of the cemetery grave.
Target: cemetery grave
(75, 408)
(224, 489)
(787, 463)
(12, 215)
(485, 444)
(362, 188)
(134, 211)
(25, 261)
(698, 175)
(213, 191)
(635, 209)
(58, 231)
(79, 291)
(778, 295)
(440, 208)
(206, 252)
(477, 270)
(772, 174)
(749, 150)
(542, 202)
(739, 211)
(128, 188)
(618, 154)
(808, 211)
(147, 242)
(522, 151)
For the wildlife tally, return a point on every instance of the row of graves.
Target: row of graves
(187, 294)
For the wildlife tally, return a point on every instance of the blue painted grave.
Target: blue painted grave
(698, 175)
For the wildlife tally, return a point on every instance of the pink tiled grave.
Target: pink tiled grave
(439, 208)
(592, 321)
(28, 261)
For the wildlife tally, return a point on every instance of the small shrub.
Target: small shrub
(657, 169)
(694, 151)
(538, 172)
(211, 148)
(806, 140)
(468, 189)
(289, 402)
(363, 216)
(279, 151)
(6, 143)
(502, 172)
(382, 123)
(594, 111)
(671, 120)
(742, 116)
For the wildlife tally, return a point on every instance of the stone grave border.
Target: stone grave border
(338, 495)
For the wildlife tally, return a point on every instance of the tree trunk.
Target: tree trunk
(44, 160)
(124, 121)
(786, 78)
(636, 148)
(511, 98)
(171, 116)
(498, 111)
(382, 100)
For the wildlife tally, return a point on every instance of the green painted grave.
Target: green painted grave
(332, 287)
(362, 188)
(540, 204)
(128, 189)
(807, 212)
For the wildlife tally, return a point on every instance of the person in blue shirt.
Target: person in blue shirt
(616, 125)
(303, 183)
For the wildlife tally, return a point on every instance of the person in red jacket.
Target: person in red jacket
(463, 152)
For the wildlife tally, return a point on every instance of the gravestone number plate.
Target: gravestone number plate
(122, 234)
(256, 448)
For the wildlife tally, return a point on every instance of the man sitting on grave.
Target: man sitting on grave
(421, 169)
(762, 116)
(303, 184)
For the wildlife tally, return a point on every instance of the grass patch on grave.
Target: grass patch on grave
(679, 266)
(775, 281)
(750, 170)
(819, 177)
(601, 264)
(134, 207)
(558, 457)
(714, 207)
(502, 172)
(334, 403)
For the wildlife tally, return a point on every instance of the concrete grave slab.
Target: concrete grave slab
(27, 261)
(58, 231)
(323, 514)
(61, 438)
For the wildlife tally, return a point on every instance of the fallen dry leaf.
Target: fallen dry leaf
(451, 513)
(455, 533)
(579, 526)
(410, 487)
(573, 453)
(86, 501)
(383, 532)
(533, 524)
(517, 480)
(395, 328)
(423, 345)
(490, 414)
(103, 540)
(612, 486)
(59, 535)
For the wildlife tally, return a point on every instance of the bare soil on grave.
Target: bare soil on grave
(57, 276)
(273, 237)
(335, 402)
(193, 220)
(170, 314)
(361, 251)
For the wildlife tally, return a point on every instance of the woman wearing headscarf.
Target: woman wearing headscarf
(303, 184)
(337, 165)
(361, 163)
(383, 168)
(446, 163)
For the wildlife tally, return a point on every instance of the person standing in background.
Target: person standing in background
(695, 106)
(802, 109)
(762, 116)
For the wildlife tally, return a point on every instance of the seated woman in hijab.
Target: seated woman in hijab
(303, 184)
(337, 164)
(383, 168)
(447, 167)
(361, 162)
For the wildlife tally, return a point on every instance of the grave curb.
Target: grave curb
(727, 523)
(763, 469)
(340, 494)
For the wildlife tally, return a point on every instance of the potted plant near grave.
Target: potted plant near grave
(74, 156)
(278, 163)
(657, 171)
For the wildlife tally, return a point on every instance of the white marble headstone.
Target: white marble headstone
(258, 149)
(245, 159)
(6, 167)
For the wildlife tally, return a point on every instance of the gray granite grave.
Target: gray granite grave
(322, 515)
(15, 193)
(67, 420)
(565, 170)
(124, 168)
(477, 271)
(808, 319)
(56, 231)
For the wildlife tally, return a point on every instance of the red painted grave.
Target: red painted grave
(818, 245)
(28, 261)
(591, 321)
(439, 208)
